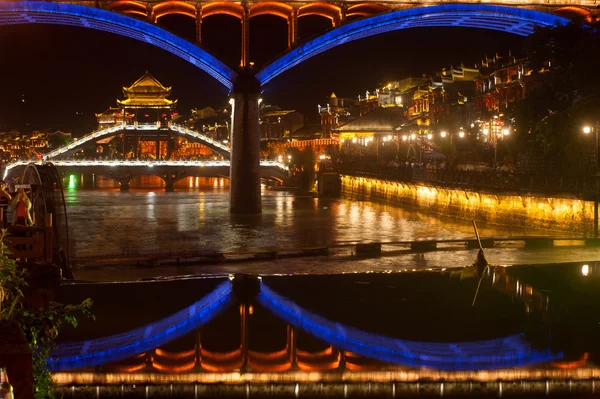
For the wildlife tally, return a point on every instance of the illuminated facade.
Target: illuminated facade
(15, 145)
(504, 81)
(413, 94)
(336, 112)
(371, 134)
(215, 123)
(275, 123)
(453, 92)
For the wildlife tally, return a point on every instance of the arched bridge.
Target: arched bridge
(137, 19)
(124, 171)
(78, 143)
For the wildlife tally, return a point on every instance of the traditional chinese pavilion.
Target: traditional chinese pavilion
(146, 102)
(146, 112)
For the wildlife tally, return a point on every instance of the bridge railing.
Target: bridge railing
(201, 136)
(486, 180)
(82, 140)
(120, 126)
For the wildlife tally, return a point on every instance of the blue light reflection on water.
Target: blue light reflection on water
(504, 352)
(100, 351)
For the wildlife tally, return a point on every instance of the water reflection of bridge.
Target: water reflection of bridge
(278, 343)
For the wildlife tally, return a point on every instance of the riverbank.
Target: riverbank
(512, 210)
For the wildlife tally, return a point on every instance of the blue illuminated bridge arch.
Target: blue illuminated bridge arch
(26, 12)
(518, 21)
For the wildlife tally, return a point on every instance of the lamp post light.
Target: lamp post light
(505, 132)
(588, 130)
(461, 134)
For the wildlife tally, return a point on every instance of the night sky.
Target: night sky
(66, 74)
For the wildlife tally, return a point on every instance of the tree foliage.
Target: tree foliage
(40, 326)
(551, 118)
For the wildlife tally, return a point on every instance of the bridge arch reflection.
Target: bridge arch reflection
(347, 349)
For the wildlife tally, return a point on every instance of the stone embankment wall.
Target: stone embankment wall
(535, 212)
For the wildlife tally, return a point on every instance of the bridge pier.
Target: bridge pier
(88, 180)
(244, 175)
(123, 185)
(169, 183)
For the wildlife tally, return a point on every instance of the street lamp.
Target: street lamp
(461, 134)
(505, 132)
(588, 130)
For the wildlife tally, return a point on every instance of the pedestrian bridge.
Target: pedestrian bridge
(181, 130)
(123, 171)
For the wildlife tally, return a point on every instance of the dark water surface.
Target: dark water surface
(107, 222)
(195, 218)
(535, 327)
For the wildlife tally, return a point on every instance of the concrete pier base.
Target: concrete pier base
(244, 183)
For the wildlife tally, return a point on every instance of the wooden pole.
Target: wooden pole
(48, 239)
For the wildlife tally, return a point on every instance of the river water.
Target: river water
(107, 223)
(537, 324)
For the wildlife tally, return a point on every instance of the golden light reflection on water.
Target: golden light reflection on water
(194, 219)
(398, 374)
(511, 210)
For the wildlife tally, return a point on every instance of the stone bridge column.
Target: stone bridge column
(170, 183)
(245, 38)
(244, 173)
(293, 28)
(199, 23)
(123, 183)
(149, 14)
